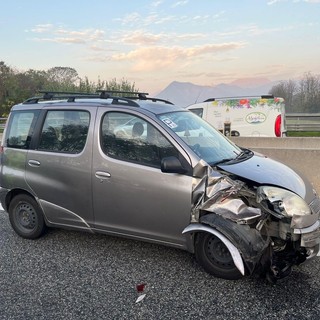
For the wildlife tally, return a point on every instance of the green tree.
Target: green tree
(16, 86)
(62, 79)
(122, 85)
(6, 78)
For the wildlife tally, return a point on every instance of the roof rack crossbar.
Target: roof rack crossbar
(122, 92)
(51, 95)
(48, 92)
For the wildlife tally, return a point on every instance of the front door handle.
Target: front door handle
(102, 175)
(34, 163)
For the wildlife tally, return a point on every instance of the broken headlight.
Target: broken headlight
(284, 202)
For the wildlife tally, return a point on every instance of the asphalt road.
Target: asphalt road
(73, 275)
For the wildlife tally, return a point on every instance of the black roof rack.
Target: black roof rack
(72, 96)
(137, 95)
(53, 95)
(123, 92)
(100, 94)
(265, 96)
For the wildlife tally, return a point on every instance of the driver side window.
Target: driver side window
(130, 138)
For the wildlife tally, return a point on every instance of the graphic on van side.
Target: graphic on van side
(249, 103)
(256, 117)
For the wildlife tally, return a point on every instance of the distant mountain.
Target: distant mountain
(186, 93)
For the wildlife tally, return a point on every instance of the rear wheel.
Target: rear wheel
(215, 257)
(26, 217)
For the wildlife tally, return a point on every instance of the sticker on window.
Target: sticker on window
(169, 123)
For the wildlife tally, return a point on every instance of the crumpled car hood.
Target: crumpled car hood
(265, 171)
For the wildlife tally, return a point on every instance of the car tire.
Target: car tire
(26, 217)
(214, 257)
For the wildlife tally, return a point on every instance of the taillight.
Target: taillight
(277, 126)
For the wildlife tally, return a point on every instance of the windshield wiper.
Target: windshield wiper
(244, 154)
(225, 160)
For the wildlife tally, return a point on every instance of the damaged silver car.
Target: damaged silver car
(172, 179)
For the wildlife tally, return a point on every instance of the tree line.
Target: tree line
(301, 96)
(17, 86)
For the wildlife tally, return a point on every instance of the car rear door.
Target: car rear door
(58, 168)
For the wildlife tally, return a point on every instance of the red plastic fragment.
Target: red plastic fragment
(140, 287)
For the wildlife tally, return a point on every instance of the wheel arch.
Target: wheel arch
(14, 192)
(235, 253)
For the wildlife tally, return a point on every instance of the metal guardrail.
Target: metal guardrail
(303, 121)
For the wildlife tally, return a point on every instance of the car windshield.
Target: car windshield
(207, 142)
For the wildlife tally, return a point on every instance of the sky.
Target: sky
(152, 43)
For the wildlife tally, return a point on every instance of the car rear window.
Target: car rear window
(20, 128)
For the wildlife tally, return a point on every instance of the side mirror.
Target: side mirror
(172, 165)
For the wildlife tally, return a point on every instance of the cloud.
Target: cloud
(272, 2)
(141, 37)
(255, 30)
(158, 57)
(88, 34)
(42, 28)
(96, 48)
(156, 3)
(179, 3)
(129, 18)
(61, 40)
(60, 35)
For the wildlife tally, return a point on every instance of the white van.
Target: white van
(244, 116)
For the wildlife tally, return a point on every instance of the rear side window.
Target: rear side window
(20, 128)
(64, 131)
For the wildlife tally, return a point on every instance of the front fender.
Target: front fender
(232, 249)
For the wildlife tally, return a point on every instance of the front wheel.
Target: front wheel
(26, 217)
(214, 257)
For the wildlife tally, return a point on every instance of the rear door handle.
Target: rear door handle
(34, 163)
